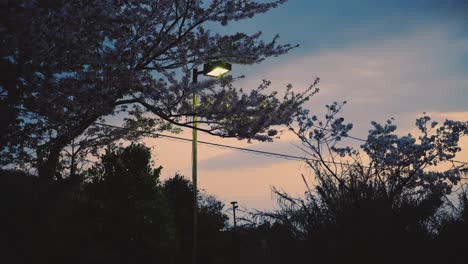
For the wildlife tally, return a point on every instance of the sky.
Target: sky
(385, 58)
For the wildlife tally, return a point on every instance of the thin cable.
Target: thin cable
(364, 140)
(218, 145)
(254, 151)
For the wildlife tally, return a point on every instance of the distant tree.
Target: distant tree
(380, 203)
(453, 229)
(211, 221)
(20, 214)
(68, 63)
(118, 215)
(125, 209)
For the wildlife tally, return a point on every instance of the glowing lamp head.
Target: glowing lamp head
(216, 68)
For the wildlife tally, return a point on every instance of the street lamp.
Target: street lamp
(212, 69)
(216, 69)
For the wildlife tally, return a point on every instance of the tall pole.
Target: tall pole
(224, 67)
(194, 170)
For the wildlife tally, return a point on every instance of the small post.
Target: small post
(234, 206)
(235, 238)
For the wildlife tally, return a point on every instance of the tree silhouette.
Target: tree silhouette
(214, 244)
(71, 63)
(126, 209)
(453, 230)
(385, 207)
(118, 215)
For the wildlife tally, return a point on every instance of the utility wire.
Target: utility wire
(280, 155)
(364, 140)
(254, 151)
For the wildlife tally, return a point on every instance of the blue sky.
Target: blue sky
(386, 58)
(316, 24)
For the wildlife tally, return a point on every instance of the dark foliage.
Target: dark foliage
(121, 214)
(392, 208)
(213, 244)
(453, 232)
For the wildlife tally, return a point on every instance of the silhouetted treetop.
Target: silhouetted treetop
(70, 63)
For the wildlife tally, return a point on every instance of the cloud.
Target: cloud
(244, 160)
(401, 76)
(411, 72)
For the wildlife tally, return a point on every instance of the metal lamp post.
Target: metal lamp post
(213, 69)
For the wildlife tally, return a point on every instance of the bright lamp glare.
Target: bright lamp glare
(217, 71)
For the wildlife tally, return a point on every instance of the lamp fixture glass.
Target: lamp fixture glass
(216, 68)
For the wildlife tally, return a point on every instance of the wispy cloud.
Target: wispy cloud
(412, 72)
(400, 75)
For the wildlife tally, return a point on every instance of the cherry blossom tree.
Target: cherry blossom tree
(68, 64)
(390, 175)
(381, 200)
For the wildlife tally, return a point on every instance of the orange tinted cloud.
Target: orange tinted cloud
(400, 76)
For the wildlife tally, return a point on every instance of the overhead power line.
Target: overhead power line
(364, 140)
(280, 155)
(254, 151)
